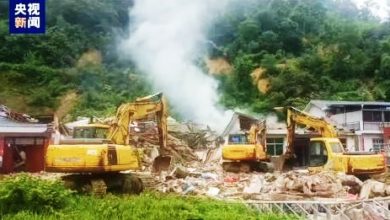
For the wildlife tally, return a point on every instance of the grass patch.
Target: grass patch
(148, 205)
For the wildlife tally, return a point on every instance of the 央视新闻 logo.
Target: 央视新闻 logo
(26, 16)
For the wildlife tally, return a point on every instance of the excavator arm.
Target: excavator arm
(295, 116)
(257, 133)
(141, 108)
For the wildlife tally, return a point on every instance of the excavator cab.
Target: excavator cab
(238, 139)
(91, 131)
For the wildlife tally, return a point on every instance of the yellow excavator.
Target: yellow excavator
(247, 151)
(96, 162)
(326, 152)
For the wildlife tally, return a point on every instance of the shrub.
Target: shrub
(24, 192)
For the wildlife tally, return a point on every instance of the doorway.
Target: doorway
(24, 154)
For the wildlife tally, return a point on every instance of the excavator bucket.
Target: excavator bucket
(161, 163)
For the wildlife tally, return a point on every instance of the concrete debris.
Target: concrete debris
(352, 183)
(372, 188)
(180, 172)
(292, 185)
(255, 185)
(210, 176)
(213, 191)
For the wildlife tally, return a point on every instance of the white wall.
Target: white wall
(347, 117)
(316, 111)
(351, 143)
(368, 140)
(236, 127)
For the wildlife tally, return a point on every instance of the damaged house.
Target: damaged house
(23, 142)
(275, 132)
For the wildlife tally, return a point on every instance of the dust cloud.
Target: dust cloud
(166, 38)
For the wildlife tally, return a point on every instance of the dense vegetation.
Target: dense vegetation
(26, 197)
(77, 54)
(306, 49)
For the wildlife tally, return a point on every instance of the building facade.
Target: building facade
(364, 126)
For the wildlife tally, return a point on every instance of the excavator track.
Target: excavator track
(100, 184)
(247, 166)
(148, 180)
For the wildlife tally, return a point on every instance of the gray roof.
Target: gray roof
(10, 126)
(326, 103)
(234, 119)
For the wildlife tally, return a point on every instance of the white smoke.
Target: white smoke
(165, 39)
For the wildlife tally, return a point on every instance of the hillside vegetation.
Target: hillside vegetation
(305, 49)
(300, 49)
(77, 54)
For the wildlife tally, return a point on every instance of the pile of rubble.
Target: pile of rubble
(293, 185)
(195, 136)
(185, 142)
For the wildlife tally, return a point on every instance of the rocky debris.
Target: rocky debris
(352, 183)
(255, 185)
(372, 188)
(292, 185)
(180, 172)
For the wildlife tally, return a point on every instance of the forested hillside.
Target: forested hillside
(76, 56)
(283, 52)
(305, 50)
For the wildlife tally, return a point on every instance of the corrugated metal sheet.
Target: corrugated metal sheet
(10, 126)
(326, 103)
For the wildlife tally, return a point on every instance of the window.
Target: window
(377, 144)
(387, 116)
(372, 116)
(90, 132)
(101, 133)
(83, 133)
(237, 139)
(336, 147)
(318, 155)
(274, 146)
